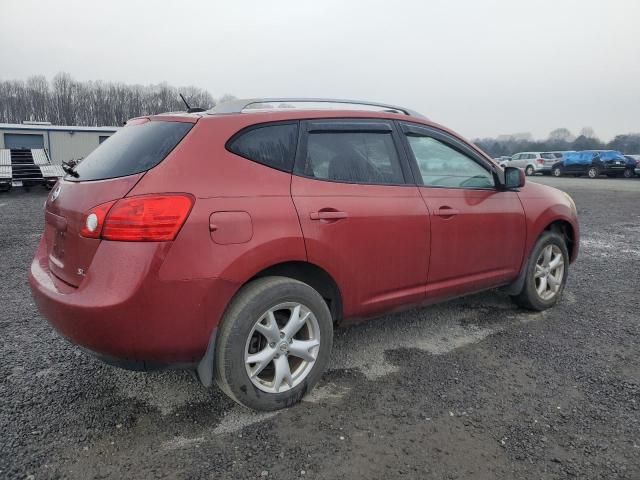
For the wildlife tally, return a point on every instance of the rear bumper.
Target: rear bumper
(123, 313)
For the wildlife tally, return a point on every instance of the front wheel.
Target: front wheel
(529, 171)
(628, 173)
(556, 172)
(593, 172)
(274, 343)
(546, 273)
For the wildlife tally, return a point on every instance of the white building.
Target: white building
(62, 143)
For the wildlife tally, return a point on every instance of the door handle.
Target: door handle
(327, 215)
(446, 212)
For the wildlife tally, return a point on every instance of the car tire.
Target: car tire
(529, 171)
(535, 296)
(628, 173)
(593, 172)
(556, 172)
(262, 318)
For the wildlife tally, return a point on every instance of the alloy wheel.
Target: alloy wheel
(282, 347)
(549, 272)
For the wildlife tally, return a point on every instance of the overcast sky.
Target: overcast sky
(481, 67)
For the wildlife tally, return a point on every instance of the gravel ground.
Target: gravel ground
(473, 388)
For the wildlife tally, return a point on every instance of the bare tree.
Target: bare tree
(587, 132)
(94, 103)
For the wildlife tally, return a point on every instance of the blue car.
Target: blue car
(593, 163)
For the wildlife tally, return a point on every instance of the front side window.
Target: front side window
(271, 145)
(442, 166)
(353, 157)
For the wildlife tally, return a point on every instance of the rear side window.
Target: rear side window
(270, 145)
(133, 149)
(548, 156)
(353, 157)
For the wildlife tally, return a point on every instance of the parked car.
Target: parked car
(593, 163)
(533, 162)
(503, 160)
(633, 161)
(231, 243)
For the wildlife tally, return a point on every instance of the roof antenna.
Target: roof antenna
(191, 109)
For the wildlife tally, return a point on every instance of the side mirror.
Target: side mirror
(513, 177)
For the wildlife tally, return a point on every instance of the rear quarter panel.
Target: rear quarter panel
(221, 181)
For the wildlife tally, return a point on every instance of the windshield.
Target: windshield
(133, 149)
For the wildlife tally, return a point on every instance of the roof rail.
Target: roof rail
(238, 105)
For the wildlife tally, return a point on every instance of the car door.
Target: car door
(362, 216)
(516, 161)
(477, 230)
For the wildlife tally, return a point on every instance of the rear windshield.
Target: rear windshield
(548, 156)
(133, 149)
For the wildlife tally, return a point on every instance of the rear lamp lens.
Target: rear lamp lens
(145, 218)
(93, 220)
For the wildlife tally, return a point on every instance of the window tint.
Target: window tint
(271, 145)
(443, 166)
(353, 157)
(132, 149)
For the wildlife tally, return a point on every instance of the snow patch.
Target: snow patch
(239, 418)
(181, 442)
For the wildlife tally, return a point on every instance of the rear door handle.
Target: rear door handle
(446, 212)
(327, 215)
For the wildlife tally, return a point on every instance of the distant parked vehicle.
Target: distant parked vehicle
(534, 162)
(503, 160)
(593, 163)
(633, 161)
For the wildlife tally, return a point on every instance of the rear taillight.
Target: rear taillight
(540, 161)
(93, 220)
(145, 218)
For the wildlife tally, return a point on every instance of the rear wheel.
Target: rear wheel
(593, 172)
(274, 343)
(546, 273)
(529, 170)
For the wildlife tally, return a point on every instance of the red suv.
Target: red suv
(232, 241)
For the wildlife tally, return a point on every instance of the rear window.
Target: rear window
(548, 156)
(133, 149)
(271, 145)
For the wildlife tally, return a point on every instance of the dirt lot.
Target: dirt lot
(474, 388)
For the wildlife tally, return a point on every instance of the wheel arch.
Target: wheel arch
(564, 228)
(314, 276)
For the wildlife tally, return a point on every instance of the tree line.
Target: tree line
(560, 139)
(66, 101)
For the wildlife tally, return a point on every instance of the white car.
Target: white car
(533, 162)
(503, 161)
